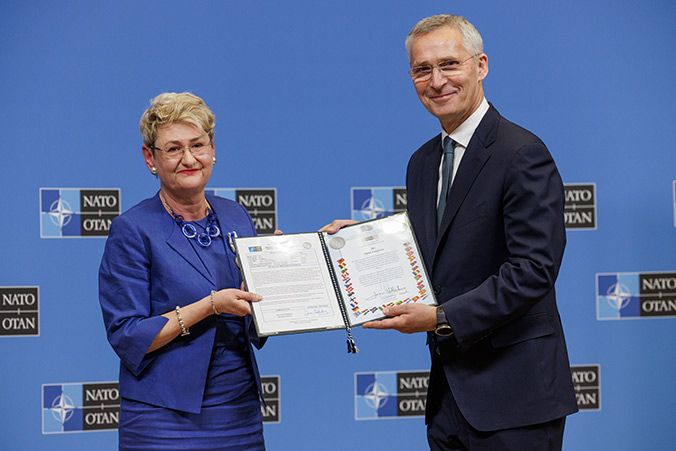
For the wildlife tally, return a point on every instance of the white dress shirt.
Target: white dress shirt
(461, 136)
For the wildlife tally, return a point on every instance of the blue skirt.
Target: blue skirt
(230, 418)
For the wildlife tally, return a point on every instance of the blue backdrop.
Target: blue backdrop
(313, 98)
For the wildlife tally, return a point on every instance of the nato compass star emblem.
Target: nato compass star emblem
(376, 202)
(372, 208)
(376, 395)
(618, 296)
(60, 212)
(62, 408)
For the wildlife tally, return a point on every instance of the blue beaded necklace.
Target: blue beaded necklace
(190, 231)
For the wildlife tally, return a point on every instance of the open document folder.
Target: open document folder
(316, 281)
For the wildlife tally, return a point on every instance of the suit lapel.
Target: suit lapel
(227, 225)
(179, 243)
(475, 157)
(430, 189)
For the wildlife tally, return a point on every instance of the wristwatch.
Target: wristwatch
(443, 329)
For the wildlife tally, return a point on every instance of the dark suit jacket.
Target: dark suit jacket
(147, 269)
(493, 264)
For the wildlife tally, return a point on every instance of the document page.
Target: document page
(378, 265)
(291, 273)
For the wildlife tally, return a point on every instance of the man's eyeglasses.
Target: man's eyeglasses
(449, 68)
(176, 152)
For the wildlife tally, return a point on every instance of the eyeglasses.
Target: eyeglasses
(176, 152)
(448, 68)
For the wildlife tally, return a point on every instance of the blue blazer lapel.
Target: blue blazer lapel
(179, 243)
(227, 226)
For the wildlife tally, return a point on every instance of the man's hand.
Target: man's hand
(407, 319)
(336, 225)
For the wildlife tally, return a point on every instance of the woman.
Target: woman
(168, 291)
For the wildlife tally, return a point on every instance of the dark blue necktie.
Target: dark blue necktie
(446, 174)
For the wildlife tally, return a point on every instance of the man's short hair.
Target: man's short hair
(471, 38)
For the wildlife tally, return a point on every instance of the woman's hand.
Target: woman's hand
(229, 300)
(235, 301)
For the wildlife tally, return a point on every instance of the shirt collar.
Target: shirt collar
(464, 132)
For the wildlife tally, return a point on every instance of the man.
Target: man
(488, 216)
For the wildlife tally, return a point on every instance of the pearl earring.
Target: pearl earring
(214, 159)
(153, 171)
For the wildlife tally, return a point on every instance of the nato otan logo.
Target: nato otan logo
(77, 212)
(587, 383)
(270, 410)
(635, 295)
(390, 394)
(376, 202)
(261, 203)
(19, 311)
(580, 206)
(80, 407)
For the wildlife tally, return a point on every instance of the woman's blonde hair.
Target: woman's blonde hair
(170, 107)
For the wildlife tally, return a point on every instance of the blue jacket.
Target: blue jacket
(148, 268)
